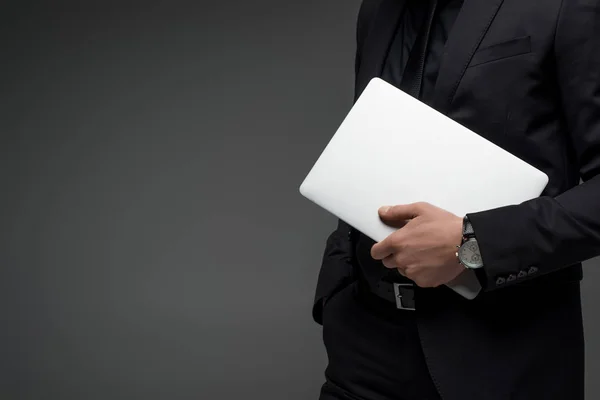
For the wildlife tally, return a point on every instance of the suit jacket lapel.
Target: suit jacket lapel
(472, 23)
(377, 42)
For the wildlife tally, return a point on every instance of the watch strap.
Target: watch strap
(467, 227)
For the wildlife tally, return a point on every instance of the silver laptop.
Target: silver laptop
(393, 149)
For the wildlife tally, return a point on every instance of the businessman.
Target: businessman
(524, 74)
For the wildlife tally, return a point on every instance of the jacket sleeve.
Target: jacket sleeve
(546, 234)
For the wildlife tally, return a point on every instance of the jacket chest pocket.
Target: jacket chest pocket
(499, 51)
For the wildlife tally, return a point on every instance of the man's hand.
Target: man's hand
(424, 248)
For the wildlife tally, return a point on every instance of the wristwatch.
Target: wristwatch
(468, 251)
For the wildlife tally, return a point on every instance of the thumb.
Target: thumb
(400, 212)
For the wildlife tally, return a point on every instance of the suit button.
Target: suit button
(532, 270)
(500, 281)
(522, 274)
(511, 278)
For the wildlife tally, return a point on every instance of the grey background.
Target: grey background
(153, 243)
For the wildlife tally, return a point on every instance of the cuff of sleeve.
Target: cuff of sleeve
(501, 234)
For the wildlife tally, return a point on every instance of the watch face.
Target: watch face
(469, 254)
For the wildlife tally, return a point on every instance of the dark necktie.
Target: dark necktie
(412, 78)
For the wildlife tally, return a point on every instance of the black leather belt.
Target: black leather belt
(401, 294)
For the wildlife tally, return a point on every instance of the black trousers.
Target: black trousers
(373, 349)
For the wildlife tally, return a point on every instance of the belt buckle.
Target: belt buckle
(398, 296)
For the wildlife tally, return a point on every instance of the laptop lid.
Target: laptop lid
(393, 149)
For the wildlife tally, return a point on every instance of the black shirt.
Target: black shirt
(410, 24)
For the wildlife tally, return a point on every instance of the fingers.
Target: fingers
(394, 243)
(397, 216)
(381, 250)
(402, 271)
(393, 262)
(389, 262)
(410, 272)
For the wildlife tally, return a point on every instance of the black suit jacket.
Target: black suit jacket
(525, 74)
